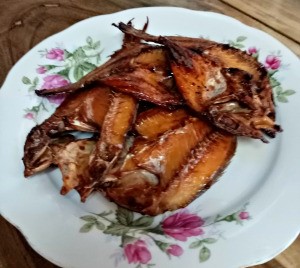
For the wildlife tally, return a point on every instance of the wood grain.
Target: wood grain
(280, 15)
(24, 23)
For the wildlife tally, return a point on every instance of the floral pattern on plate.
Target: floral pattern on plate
(273, 63)
(64, 67)
(138, 233)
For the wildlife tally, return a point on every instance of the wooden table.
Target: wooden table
(24, 23)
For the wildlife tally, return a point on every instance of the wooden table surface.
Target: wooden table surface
(24, 23)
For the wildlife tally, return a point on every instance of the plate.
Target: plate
(248, 217)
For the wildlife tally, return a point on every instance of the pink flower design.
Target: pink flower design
(137, 252)
(183, 225)
(273, 62)
(41, 70)
(175, 250)
(55, 54)
(244, 215)
(54, 81)
(29, 115)
(252, 50)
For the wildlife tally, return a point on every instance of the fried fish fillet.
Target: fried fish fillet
(73, 162)
(203, 73)
(161, 159)
(205, 164)
(83, 111)
(169, 151)
(147, 85)
(188, 169)
(118, 121)
(188, 42)
(207, 87)
(156, 121)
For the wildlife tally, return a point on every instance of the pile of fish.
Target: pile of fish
(165, 112)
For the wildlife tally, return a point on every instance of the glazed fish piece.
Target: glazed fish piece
(73, 162)
(223, 54)
(134, 190)
(242, 111)
(85, 110)
(188, 42)
(140, 189)
(204, 165)
(208, 87)
(82, 111)
(230, 57)
(168, 152)
(147, 85)
(147, 77)
(203, 75)
(154, 122)
(118, 121)
(198, 78)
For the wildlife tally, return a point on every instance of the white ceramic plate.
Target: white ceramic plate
(248, 217)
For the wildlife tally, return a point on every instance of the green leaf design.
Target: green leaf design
(255, 56)
(65, 73)
(26, 80)
(89, 218)
(124, 216)
(98, 58)
(272, 72)
(87, 47)
(161, 245)
(241, 38)
(86, 227)
(231, 43)
(68, 54)
(126, 239)
(31, 88)
(228, 218)
(143, 221)
(278, 90)
(43, 106)
(274, 82)
(237, 45)
(156, 230)
(281, 94)
(105, 213)
(96, 45)
(79, 54)
(282, 98)
(204, 254)
(100, 226)
(210, 240)
(35, 81)
(288, 92)
(116, 229)
(89, 40)
(78, 72)
(196, 244)
(50, 67)
(87, 66)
